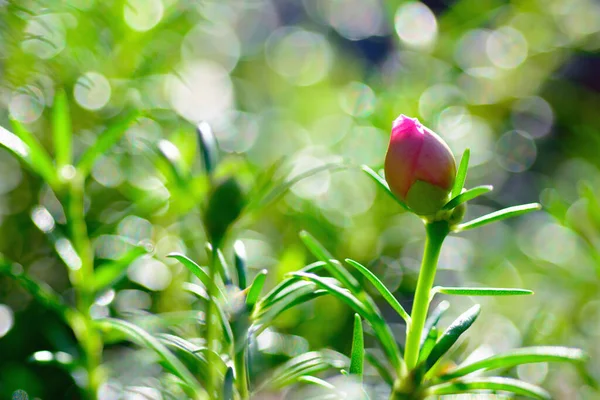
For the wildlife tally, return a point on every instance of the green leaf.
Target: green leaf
(208, 146)
(61, 128)
(143, 338)
(474, 291)
(434, 318)
(106, 275)
(197, 271)
(489, 384)
(516, 357)
(256, 288)
(467, 196)
(239, 253)
(317, 382)
(202, 295)
(357, 354)
(450, 336)
(228, 385)
(461, 174)
(498, 216)
(428, 343)
(333, 266)
(104, 142)
(304, 365)
(171, 156)
(30, 152)
(385, 293)
(381, 182)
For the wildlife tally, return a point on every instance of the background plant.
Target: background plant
(453, 75)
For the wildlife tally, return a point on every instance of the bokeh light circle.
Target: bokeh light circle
(516, 151)
(358, 99)
(6, 319)
(26, 104)
(301, 57)
(92, 91)
(533, 115)
(415, 24)
(355, 19)
(45, 36)
(506, 47)
(143, 15)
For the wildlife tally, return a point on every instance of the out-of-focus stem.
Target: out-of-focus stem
(210, 322)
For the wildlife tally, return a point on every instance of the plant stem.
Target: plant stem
(210, 323)
(242, 375)
(436, 233)
(82, 278)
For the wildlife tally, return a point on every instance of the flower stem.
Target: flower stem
(210, 323)
(436, 233)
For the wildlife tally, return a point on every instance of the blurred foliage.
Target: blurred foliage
(307, 83)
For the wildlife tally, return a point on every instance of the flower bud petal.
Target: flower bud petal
(419, 166)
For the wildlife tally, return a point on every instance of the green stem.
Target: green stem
(82, 279)
(436, 233)
(242, 375)
(210, 323)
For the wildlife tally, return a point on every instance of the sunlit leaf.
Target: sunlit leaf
(239, 252)
(385, 293)
(143, 338)
(256, 288)
(498, 216)
(381, 182)
(197, 271)
(461, 174)
(357, 354)
(515, 357)
(475, 385)
(450, 336)
(467, 195)
(208, 146)
(475, 291)
(434, 318)
(333, 266)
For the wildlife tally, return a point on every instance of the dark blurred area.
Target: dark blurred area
(311, 82)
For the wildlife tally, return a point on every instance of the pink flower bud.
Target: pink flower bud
(419, 166)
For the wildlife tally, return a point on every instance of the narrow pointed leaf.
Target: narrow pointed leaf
(385, 293)
(434, 318)
(333, 266)
(143, 338)
(29, 151)
(241, 268)
(461, 174)
(476, 385)
(317, 382)
(197, 271)
(516, 357)
(104, 142)
(468, 195)
(208, 146)
(498, 216)
(256, 288)
(358, 348)
(61, 128)
(428, 343)
(171, 156)
(228, 385)
(381, 182)
(383, 370)
(451, 335)
(474, 291)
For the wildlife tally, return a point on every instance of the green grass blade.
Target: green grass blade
(461, 174)
(385, 293)
(450, 336)
(428, 343)
(434, 318)
(333, 266)
(143, 338)
(498, 216)
(317, 382)
(228, 385)
(489, 384)
(256, 288)
(467, 196)
(107, 274)
(61, 129)
(516, 357)
(381, 182)
(474, 291)
(208, 147)
(357, 354)
(30, 152)
(197, 271)
(104, 142)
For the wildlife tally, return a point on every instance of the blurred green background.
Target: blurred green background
(310, 82)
